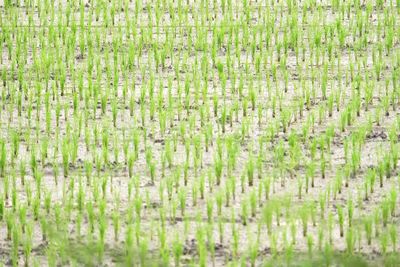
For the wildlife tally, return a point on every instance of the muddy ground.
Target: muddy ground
(284, 181)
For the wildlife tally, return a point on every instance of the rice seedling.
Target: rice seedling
(178, 250)
(384, 243)
(304, 216)
(341, 220)
(350, 241)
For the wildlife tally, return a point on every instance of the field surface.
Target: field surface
(199, 133)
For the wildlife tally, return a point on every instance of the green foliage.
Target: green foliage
(233, 106)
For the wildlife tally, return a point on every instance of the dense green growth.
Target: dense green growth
(205, 133)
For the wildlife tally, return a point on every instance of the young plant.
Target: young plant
(304, 215)
(384, 242)
(368, 229)
(177, 249)
(393, 237)
(385, 206)
(310, 243)
(182, 201)
(244, 214)
(218, 165)
(65, 156)
(341, 219)
(253, 252)
(250, 171)
(350, 241)
(350, 211)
